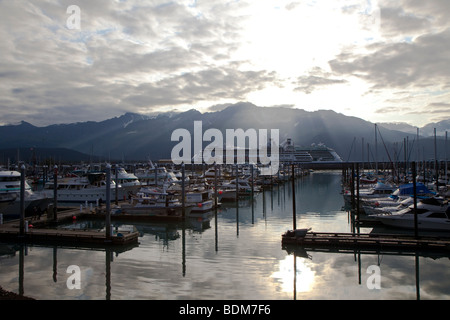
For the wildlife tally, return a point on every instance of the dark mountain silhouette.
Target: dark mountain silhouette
(138, 137)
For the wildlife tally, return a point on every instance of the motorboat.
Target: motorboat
(10, 185)
(227, 194)
(433, 214)
(368, 180)
(407, 190)
(400, 198)
(243, 185)
(380, 190)
(90, 187)
(388, 206)
(211, 173)
(200, 200)
(128, 181)
(154, 202)
(156, 176)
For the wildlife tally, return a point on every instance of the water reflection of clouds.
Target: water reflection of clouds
(302, 278)
(44, 273)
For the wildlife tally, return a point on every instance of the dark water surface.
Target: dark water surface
(234, 254)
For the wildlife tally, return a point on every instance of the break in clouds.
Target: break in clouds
(154, 56)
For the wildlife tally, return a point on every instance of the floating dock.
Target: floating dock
(126, 217)
(42, 231)
(365, 241)
(36, 235)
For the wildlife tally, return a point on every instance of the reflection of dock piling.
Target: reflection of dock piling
(67, 236)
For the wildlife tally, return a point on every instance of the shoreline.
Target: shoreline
(7, 295)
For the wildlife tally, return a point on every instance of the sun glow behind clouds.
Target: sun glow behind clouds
(293, 39)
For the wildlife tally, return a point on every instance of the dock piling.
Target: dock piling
(183, 191)
(416, 225)
(108, 203)
(237, 183)
(357, 192)
(116, 185)
(294, 214)
(55, 193)
(216, 202)
(22, 200)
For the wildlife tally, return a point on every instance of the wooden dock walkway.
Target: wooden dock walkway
(43, 231)
(365, 241)
(39, 236)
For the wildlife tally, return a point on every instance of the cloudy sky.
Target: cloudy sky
(380, 60)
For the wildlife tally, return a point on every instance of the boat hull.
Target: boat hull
(155, 211)
(92, 195)
(11, 211)
(429, 224)
(202, 206)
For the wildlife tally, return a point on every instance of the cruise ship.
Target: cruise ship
(314, 153)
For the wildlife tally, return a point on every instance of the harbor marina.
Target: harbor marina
(236, 253)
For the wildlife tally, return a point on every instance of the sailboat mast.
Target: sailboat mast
(436, 161)
(376, 150)
(446, 172)
(418, 147)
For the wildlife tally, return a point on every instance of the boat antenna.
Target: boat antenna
(150, 163)
(385, 148)
(351, 148)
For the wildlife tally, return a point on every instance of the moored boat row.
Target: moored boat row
(161, 195)
(393, 205)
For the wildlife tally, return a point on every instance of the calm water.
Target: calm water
(235, 254)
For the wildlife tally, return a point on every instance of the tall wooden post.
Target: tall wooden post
(116, 198)
(416, 224)
(55, 193)
(108, 202)
(294, 213)
(22, 200)
(183, 191)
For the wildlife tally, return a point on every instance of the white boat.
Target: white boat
(179, 176)
(200, 200)
(10, 186)
(154, 202)
(210, 173)
(380, 191)
(432, 215)
(89, 188)
(228, 194)
(128, 181)
(387, 206)
(400, 198)
(243, 185)
(10, 196)
(148, 176)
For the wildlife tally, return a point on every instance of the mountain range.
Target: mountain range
(133, 137)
